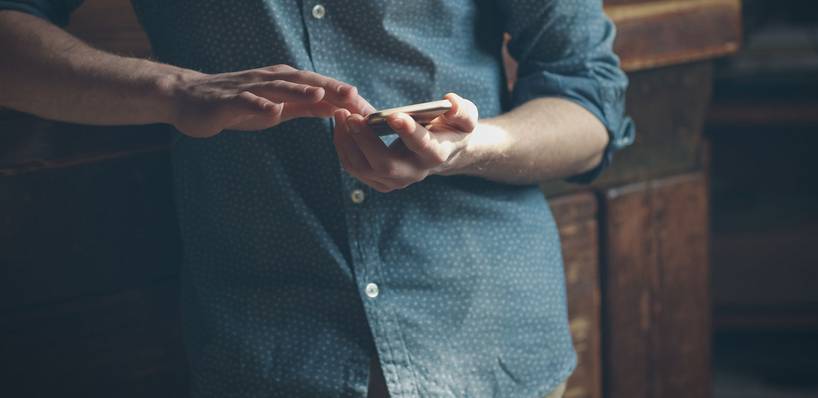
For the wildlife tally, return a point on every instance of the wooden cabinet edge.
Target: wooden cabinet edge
(679, 42)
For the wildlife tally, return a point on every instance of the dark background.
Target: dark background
(763, 127)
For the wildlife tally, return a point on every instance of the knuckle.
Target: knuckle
(276, 110)
(391, 170)
(424, 145)
(437, 158)
(276, 85)
(350, 90)
(385, 169)
(291, 75)
(281, 68)
(470, 124)
(255, 74)
(261, 75)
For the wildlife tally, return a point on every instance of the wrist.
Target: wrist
(170, 86)
(488, 143)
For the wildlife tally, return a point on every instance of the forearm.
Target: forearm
(543, 139)
(48, 72)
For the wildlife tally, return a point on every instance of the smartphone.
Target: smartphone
(422, 113)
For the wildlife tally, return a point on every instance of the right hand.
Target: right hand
(256, 99)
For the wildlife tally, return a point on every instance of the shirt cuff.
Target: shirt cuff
(604, 100)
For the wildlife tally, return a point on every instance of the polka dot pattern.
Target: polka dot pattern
(292, 283)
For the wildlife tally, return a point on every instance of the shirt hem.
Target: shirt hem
(560, 378)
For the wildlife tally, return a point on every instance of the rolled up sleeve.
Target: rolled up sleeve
(564, 48)
(56, 11)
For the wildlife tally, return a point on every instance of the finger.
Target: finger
(340, 94)
(294, 110)
(463, 115)
(373, 149)
(247, 104)
(351, 157)
(416, 138)
(234, 110)
(384, 163)
(382, 188)
(283, 91)
(379, 185)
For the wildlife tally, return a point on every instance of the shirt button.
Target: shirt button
(357, 196)
(371, 290)
(319, 11)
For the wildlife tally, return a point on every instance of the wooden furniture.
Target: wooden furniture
(89, 250)
(653, 208)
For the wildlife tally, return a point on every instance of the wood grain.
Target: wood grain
(110, 25)
(661, 33)
(29, 144)
(576, 216)
(656, 289)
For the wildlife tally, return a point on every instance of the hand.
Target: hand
(421, 150)
(257, 99)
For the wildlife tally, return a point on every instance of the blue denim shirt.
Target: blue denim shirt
(295, 274)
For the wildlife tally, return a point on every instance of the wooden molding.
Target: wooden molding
(655, 279)
(661, 33)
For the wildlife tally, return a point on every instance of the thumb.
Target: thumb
(463, 115)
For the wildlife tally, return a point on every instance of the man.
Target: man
(319, 260)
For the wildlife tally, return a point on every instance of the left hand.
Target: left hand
(420, 151)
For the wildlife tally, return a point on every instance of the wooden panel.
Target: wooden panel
(110, 25)
(767, 112)
(85, 230)
(576, 217)
(655, 289)
(29, 144)
(125, 345)
(662, 33)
